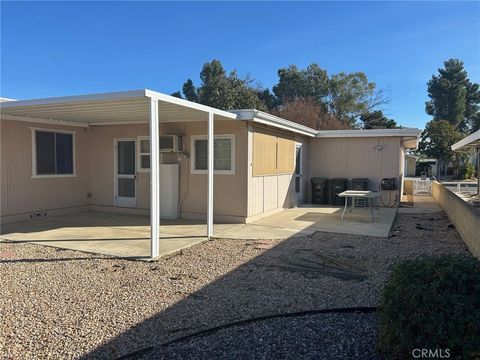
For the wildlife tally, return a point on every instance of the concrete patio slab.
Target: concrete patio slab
(328, 219)
(108, 233)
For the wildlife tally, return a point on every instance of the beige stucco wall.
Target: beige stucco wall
(273, 192)
(356, 158)
(465, 217)
(22, 195)
(230, 191)
(95, 171)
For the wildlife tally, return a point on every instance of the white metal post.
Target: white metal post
(210, 140)
(154, 181)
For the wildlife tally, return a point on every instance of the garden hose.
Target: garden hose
(140, 352)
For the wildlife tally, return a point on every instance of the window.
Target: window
(143, 153)
(53, 153)
(223, 154)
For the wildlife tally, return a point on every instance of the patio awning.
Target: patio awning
(138, 106)
(472, 141)
(108, 108)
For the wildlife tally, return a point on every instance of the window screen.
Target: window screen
(222, 154)
(54, 153)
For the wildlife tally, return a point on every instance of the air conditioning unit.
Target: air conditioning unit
(171, 143)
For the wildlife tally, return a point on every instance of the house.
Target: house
(410, 165)
(149, 153)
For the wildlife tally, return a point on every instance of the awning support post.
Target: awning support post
(154, 181)
(210, 140)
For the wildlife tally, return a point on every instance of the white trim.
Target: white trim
(195, 171)
(115, 173)
(154, 180)
(299, 195)
(408, 132)
(43, 121)
(470, 141)
(192, 105)
(34, 154)
(210, 167)
(76, 98)
(268, 119)
(139, 154)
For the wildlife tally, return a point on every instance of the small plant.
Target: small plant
(431, 304)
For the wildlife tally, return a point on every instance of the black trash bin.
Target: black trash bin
(337, 186)
(319, 190)
(362, 185)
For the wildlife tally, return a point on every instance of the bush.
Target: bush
(431, 304)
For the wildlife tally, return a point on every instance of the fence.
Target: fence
(465, 217)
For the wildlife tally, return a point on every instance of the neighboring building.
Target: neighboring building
(471, 142)
(427, 166)
(410, 165)
(92, 152)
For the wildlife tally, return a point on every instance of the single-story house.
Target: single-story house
(150, 153)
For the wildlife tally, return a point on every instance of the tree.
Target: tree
(267, 98)
(224, 91)
(351, 95)
(293, 84)
(308, 112)
(190, 91)
(437, 140)
(176, 94)
(453, 97)
(377, 120)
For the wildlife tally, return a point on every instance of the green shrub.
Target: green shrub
(431, 304)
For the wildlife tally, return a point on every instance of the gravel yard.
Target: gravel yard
(66, 304)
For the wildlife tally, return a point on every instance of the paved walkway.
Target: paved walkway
(422, 204)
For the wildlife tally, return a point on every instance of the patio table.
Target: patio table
(370, 196)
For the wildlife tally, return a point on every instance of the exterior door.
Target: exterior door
(125, 173)
(298, 172)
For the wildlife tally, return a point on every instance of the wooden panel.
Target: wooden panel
(285, 155)
(264, 152)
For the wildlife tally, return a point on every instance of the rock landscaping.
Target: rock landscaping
(67, 304)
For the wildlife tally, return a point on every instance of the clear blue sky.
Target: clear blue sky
(65, 48)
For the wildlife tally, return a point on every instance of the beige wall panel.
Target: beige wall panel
(286, 191)
(101, 162)
(355, 157)
(22, 194)
(270, 193)
(255, 198)
(230, 191)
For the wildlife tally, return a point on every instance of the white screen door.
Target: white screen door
(298, 172)
(125, 173)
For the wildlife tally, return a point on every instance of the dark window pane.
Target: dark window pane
(126, 157)
(200, 154)
(45, 147)
(145, 161)
(64, 151)
(126, 187)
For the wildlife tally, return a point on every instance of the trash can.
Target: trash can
(362, 185)
(319, 190)
(337, 186)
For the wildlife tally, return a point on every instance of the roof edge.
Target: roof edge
(276, 121)
(468, 141)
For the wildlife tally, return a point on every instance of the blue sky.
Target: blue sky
(68, 48)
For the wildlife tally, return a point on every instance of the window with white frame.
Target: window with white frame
(143, 153)
(53, 153)
(223, 154)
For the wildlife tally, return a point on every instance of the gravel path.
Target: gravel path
(66, 304)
